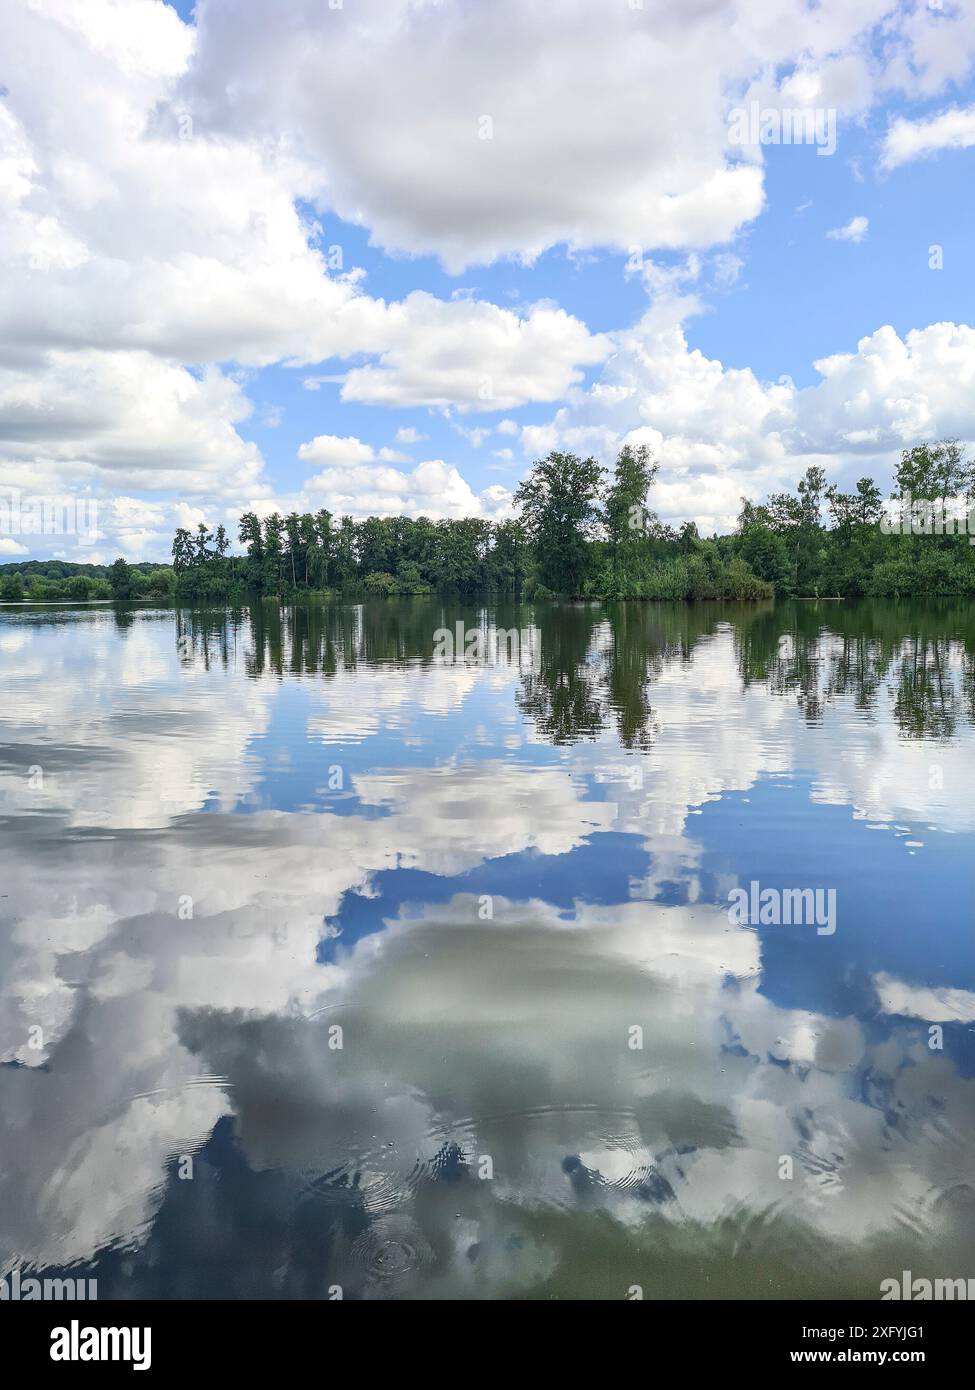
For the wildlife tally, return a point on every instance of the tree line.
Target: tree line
(574, 535)
(578, 532)
(55, 581)
(582, 534)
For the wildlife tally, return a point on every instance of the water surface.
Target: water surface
(329, 966)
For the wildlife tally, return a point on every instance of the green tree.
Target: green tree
(183, 551)
(78, 586)
(162, 583)
(273, 552)
(560, 510)
(766, 555)
(627, 518)
(321, 552)
(508, 558)
(202, 541)
(122, 579)
(345, 552)
(292, 527)
(252, 537)
(934, 472)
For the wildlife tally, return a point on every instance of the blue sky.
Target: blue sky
(238, 270)
(798, 296)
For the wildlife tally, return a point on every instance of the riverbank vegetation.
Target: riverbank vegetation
(578, 535)
(51, 581)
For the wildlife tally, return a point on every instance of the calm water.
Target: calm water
(327, 964)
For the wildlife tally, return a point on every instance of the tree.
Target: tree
(850, 509)
(251, 536)
(183, 552)
(508, 557)
(320, 553)
(202, 543)
(345, 551)
(273, 552)
(797, 520)
(810, 495)
(627, 518)
(162, 583)
(461, 548)
(559, 503)
(306, 532)
(381, 584)
(122, 579)
(765, 554)
(934, 472)
(868, 505)
(78, 587)
(292, 526)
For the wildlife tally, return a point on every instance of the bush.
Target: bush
(380, 584)
(409, 580)
(931, 572)
(162, 583)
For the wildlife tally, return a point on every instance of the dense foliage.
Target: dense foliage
(577, 534)
(824, 542)
(47, 581)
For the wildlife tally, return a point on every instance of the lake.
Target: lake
(628, 955)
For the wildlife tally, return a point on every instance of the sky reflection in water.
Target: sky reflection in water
(339, 808)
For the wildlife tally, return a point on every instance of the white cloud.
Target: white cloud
(935, 1005)
(361, 481)
(125, 420)
(474, 356)
(433, 488)
(720, 433)
(332, 450)
(855, 230)
(156, 180)
(8, 546)
(504, 143)
(126, 227)
(907, 140)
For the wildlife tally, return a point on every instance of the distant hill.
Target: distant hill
(64, 569)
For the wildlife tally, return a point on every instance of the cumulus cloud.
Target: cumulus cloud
(90, 417)
(907, 140)
(135, 245)
(358, 482)
(475, 356)
(330, 449)
(855, 230)
(503, 142)
(169, 208)
(720, 432)
(125, 225)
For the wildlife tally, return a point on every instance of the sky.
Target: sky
(379, 255)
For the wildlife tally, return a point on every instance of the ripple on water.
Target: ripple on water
(391, 1249)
